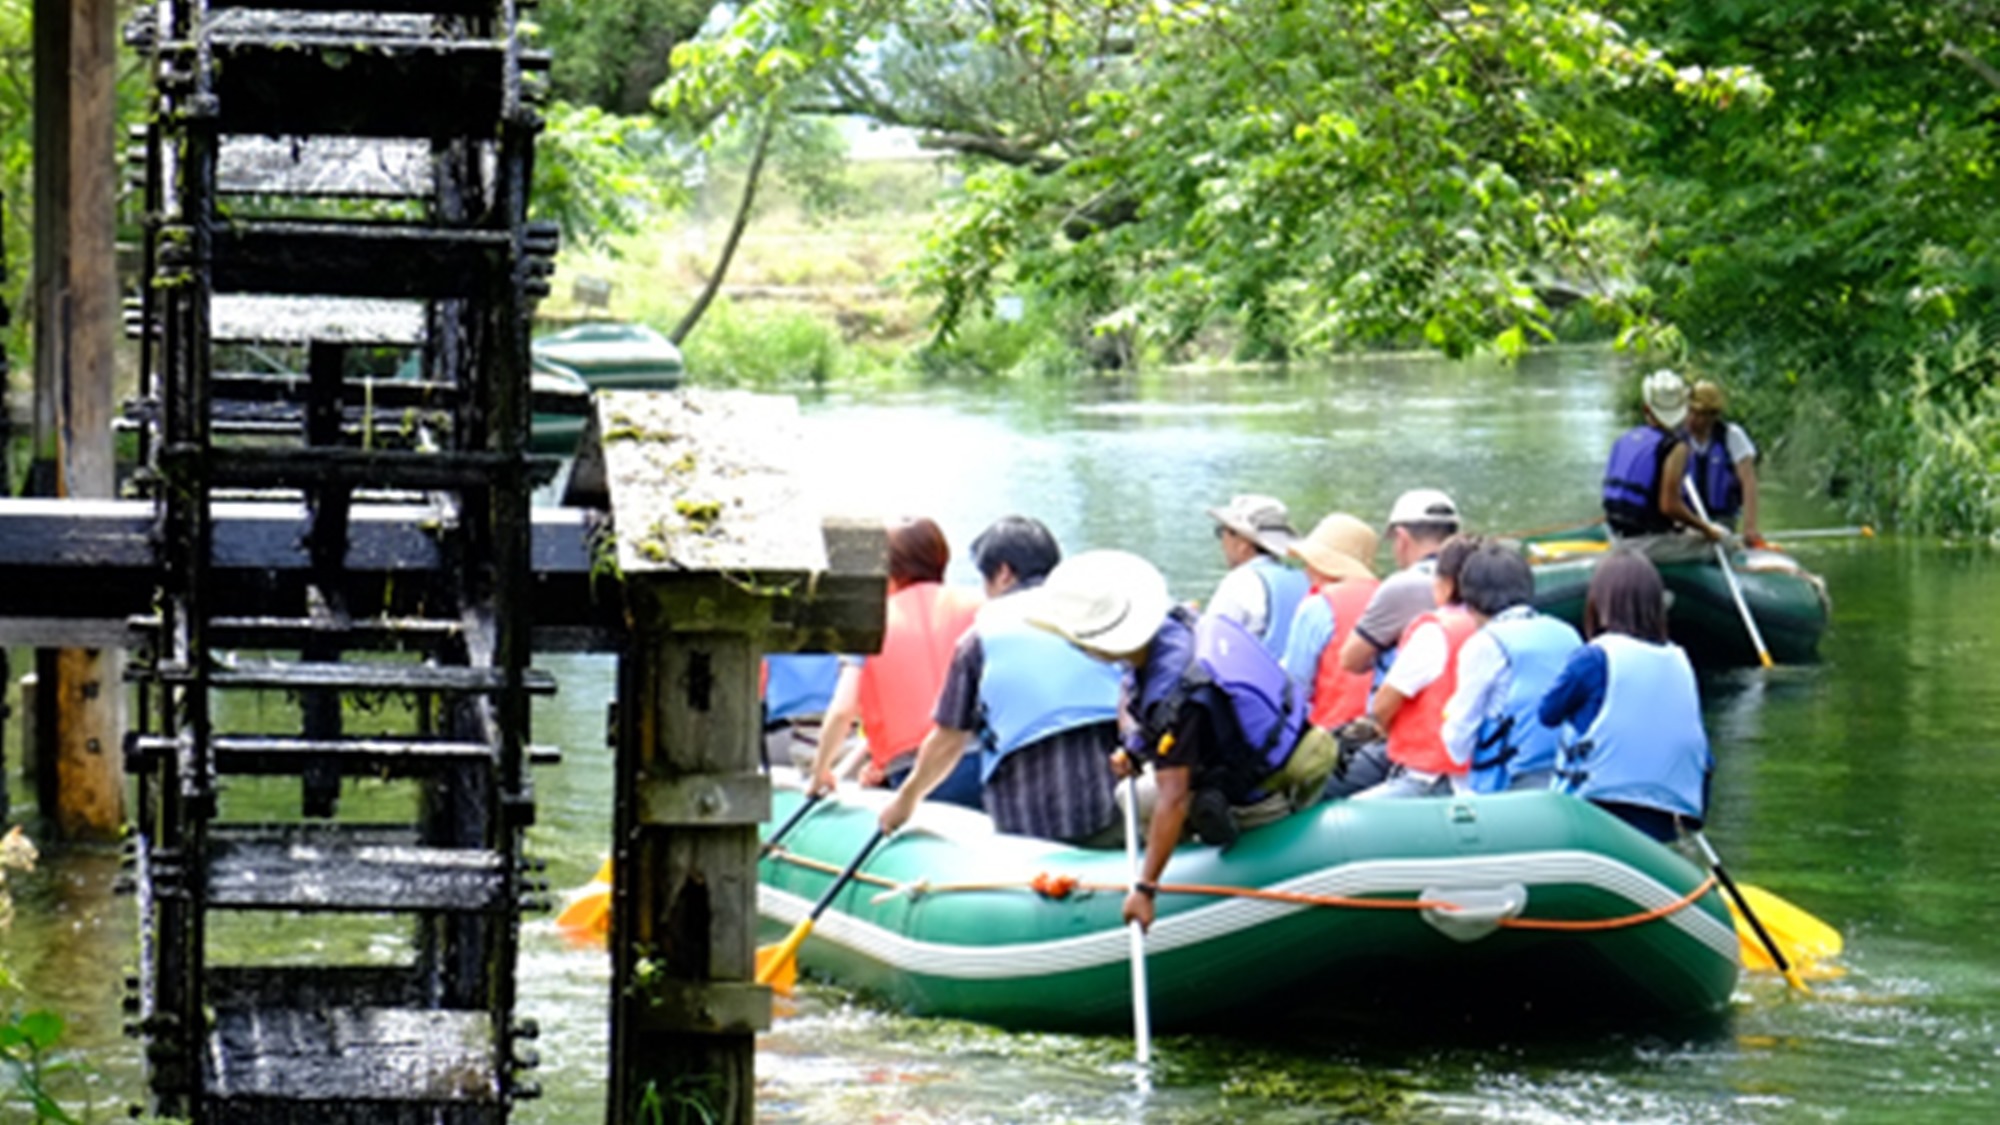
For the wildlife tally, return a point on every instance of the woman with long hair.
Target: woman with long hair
(1635, 745)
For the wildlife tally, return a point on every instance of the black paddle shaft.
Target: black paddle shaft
(1756, 924)
(798, 814)
(853, 865)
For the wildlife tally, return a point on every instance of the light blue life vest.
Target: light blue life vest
(1034, 684)
(1632, 481)
(1284, 588)
(1513, 741)
(1715, 475)
(799, 684)
(1646, 747)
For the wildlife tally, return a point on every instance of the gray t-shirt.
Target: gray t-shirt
(1397, 602)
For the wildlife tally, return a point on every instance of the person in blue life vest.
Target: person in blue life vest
(798, 689)
(1722, 462)
(1259, 592)
(1634, 744)
(1042, 715)
(1492, 724)
(1206, 707)
(1645, 504)
(1420, 521)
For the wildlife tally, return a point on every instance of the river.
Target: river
(1860, 787)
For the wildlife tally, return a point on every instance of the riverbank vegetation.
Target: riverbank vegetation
(1792, 197)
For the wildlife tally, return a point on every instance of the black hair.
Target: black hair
(1495, 578)
(1025, 545)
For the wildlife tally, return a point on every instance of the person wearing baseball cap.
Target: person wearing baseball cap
(1644, 499)
(1207, 708)
(1419, 523)
(1260, 592)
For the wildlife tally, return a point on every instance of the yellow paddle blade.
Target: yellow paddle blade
(1805, 940)
(603, 873)
(587, 917)
(1563, 548)
(778, 965)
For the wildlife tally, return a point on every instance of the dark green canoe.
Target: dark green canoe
(1789, 603)
(1010, 956)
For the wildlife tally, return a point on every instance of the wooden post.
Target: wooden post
(76, 334)
(721, 557)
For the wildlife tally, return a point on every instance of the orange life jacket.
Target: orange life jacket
(900, 684)
(1416, 734)
(1340, 696)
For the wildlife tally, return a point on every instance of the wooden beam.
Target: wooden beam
(77, 332)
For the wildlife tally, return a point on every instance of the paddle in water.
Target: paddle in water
(1770, 944)
(778, 965)
(1142, 1019)
(588, 915)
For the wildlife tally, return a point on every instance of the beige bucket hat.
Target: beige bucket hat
(1340, 546)
(1263, 520)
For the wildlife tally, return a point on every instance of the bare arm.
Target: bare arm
(1357, 655)
(1169, 815)
(1387, 702)
(1746, 475)
(937, 756)
(841, 714)
(1674, 491)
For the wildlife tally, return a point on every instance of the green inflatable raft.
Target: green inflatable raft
(1525, 902)
(1789, 602)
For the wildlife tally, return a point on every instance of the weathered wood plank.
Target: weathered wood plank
(706, 480)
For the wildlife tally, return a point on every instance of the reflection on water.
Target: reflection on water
(1860, 788)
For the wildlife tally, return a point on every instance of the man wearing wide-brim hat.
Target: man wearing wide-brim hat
(1260, 592)
(1213, 750)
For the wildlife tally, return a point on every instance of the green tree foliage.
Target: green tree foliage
(612, 54)
(1310, 173)
(1839, 238)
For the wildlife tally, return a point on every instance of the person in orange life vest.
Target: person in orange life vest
(1339, 557)
(1201, 697)
(891, 693)
(1722, 460)
(1408, 705)
(1645, 503)
(1635, 745)
(1419, 523)
(1039, 716)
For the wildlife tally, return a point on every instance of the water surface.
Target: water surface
(1862, 787)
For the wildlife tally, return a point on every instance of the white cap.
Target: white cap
(1423, 505)
(1110, 602)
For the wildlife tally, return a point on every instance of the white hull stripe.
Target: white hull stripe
(1231, 915)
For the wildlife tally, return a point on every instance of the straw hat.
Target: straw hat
(1261, 519)
(1666, 395)
(1110, 602)
(1706, 397)
(1340, 546)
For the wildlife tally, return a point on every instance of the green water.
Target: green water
(1862, 788)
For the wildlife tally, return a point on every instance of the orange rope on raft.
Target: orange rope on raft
(1053, 886)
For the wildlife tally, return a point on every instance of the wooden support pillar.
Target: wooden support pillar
(76, 336)
(690, 802)
(721, 557)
